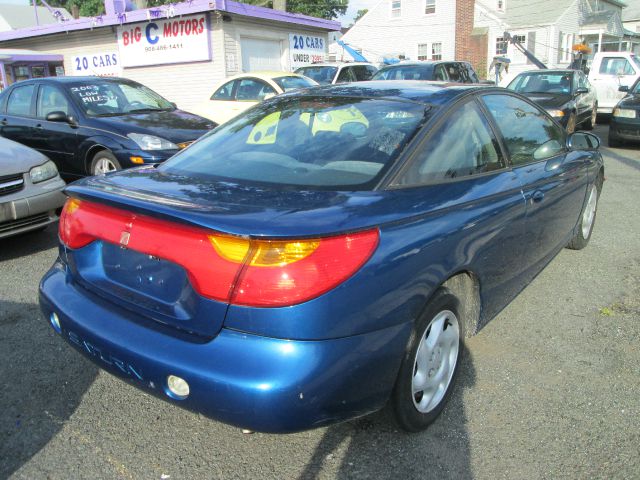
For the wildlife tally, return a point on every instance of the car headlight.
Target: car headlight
(151, 142)
(556, 113)
(624, 113)
(43, 172)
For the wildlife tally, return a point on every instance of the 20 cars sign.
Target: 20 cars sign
(104, 64)
(306, 49)
(174, 40)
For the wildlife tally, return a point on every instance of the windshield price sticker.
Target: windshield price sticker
(89, 94)
(306, 49)
(174, 40)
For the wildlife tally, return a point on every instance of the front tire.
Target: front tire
(587, 217)
(104, 162)
(430, 365)
(591, 121)
(571, 124)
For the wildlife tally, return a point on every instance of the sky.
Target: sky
(354, 6)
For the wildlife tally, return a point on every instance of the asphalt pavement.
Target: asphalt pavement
(549, 389)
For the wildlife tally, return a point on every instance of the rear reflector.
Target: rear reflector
(243, 271)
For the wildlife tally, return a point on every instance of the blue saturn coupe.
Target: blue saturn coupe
(323, 254)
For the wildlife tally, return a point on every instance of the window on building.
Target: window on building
(429, 7)
(520, 38)
(501, 46)
(436, 51)
(423, 51)
(396, 7)
(566, 42)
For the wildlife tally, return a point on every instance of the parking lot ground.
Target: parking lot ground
(549, 389)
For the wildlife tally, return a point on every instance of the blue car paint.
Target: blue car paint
(72, 147)
(493, 226)
(265, 384)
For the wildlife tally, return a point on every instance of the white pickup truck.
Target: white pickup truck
(609, 71)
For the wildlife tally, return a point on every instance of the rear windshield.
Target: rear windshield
(316, 142)
(558, 82)
(293, 83)
(322, 75)
(408, 72)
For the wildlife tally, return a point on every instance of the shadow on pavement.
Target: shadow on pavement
(29, 243)
(374, 447)
(43, 382)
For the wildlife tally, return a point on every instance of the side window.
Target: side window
(463, 145)
(225, 92)
(453, 69)
(346, 75)
(616, 66)
(471, 74)
(371, 71)
(51, 99)
(19, 102)
(253, 90)
(439, 73)
(362, 73)
(528, 133)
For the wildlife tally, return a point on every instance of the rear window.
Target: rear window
(293, 83)
(322, 75)
(315, 142)
(403, 73)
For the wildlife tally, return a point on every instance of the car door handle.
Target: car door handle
(537, 196)
(39, 126)
(4, 121)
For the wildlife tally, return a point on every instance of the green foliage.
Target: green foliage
(359, 14)
(328, 9)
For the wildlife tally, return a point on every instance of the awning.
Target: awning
(18, 55)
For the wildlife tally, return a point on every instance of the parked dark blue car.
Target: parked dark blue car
(92, 125)
(322, 254)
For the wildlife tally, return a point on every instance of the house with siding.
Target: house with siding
(473, 30)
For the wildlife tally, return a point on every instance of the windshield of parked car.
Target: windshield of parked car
(407, 72)
(104, 98)
(537, 82)
(293, 83)
(315, 142)
(323, 75)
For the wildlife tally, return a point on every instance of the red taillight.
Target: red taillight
(252, 272)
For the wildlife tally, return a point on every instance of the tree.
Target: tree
(328, 9)
(359, 14)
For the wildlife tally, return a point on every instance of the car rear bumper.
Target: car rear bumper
(250, 381)
(23, 212)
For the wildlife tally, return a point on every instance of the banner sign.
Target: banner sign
(103, 64)
(174, 40)
(305, 49)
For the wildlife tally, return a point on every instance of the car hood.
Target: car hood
(630, 101)
(251, 210)
(549, 100)
(176, 126)
(16, 158)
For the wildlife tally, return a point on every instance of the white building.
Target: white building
(413, 29)
(180, 50)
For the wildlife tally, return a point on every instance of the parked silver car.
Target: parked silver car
(30, 189)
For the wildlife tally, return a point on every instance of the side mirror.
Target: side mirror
(623, 88)
(583, 141)
(57, 116)
(581, 90)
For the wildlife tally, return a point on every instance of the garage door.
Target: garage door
(258, 54)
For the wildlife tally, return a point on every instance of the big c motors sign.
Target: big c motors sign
(173, 40)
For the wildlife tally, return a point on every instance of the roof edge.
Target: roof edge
(183, 8)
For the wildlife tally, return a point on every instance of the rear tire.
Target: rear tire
(430, 365)
(587, 217)
(104, 162)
